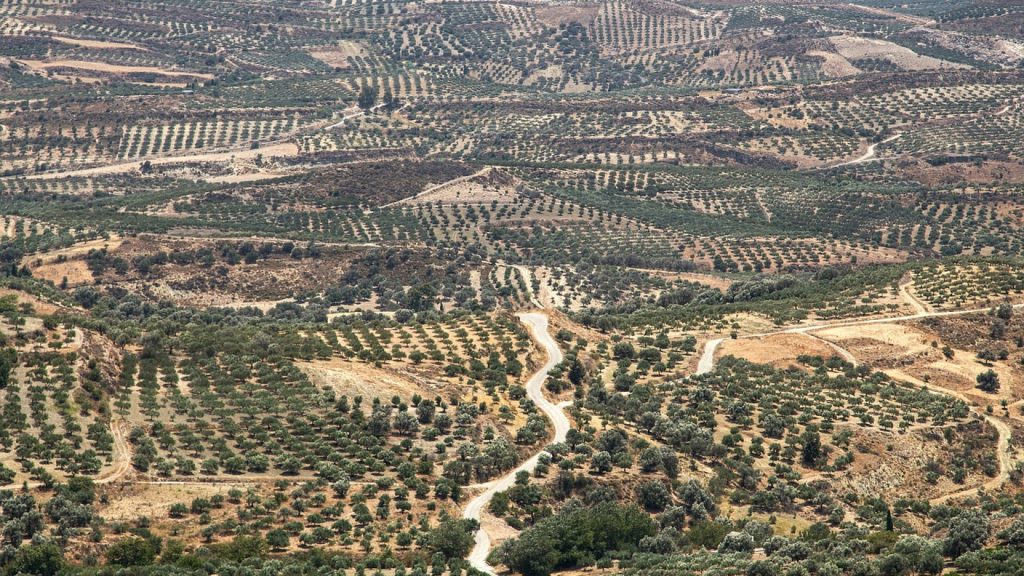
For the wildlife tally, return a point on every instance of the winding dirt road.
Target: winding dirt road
(1002, 448)
(707, 359)
(537, 323)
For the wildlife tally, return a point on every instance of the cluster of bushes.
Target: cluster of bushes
(99, 261)
(576, 536)
(830, 292)
(407, 279)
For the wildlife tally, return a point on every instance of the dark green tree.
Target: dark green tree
(367, 97)
(453, 538)
(988, 381)
(131, 551)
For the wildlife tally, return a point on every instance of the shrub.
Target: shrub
(988, 381)
(132, 551)
(575, 536)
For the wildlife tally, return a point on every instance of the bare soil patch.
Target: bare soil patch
(265, 282)
(554, 16)
(908, 349)
(857, 48)
(129, 501)
(110, 68)
(360, 379)
(779, 350)
(98, 44)
(709, 280)
(835, 65)
(889, 466)
(67, 263)
(40, 307)
(338, 56)
(884, 344)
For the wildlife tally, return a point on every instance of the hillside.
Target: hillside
(621, 287)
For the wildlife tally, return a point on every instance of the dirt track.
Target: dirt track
(1002, 449)
(112, 68)
(482, 172)
(277, 150)
(869, 155)
(122, 455)
(537, 322)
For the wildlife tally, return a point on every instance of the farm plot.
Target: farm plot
(766, 415)
(140, 141)
(197, 417)
(990, 134)
(625, 27)
(966, 284)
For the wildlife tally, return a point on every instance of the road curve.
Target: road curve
(916, 303)
(879, 320)
(538, 324)
(868, 156)
(1004, 432)
(1002, 447)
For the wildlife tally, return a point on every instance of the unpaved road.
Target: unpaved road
(1002, 449)
(707, 359)
(868, 155)
(122, 455)
(537, 323)
(919, 306)
(287, 149)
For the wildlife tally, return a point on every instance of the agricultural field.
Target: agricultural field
(621, 287)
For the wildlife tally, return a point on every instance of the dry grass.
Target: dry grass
(779, 350)
(554, 16)
(110, 68)
(856, 48)
(338, 56)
